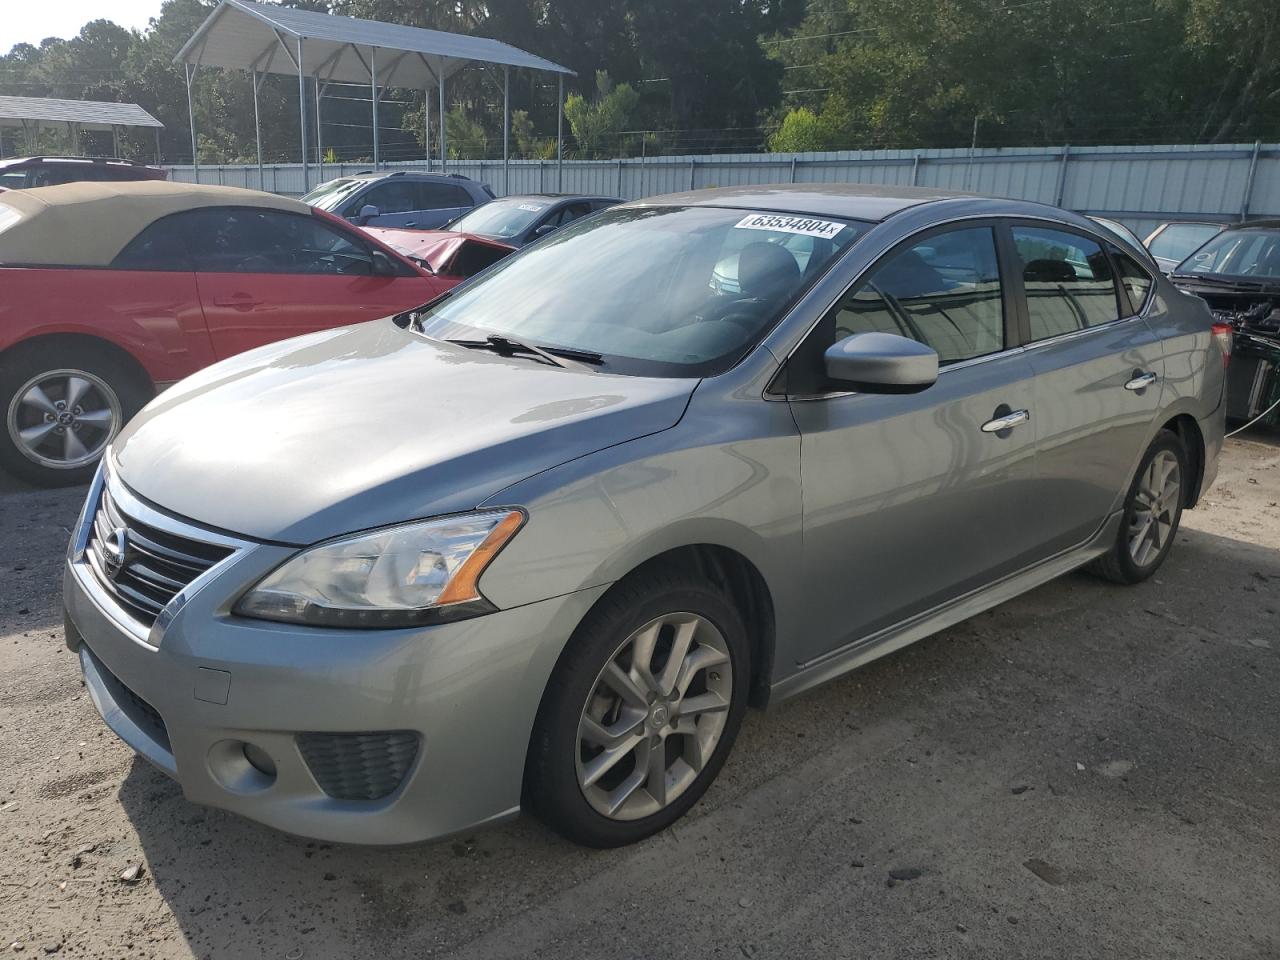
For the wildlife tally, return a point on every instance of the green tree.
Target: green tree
(598, 124)
(802, 131)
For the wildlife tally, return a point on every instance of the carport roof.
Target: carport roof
(89, 114)
(244, 35)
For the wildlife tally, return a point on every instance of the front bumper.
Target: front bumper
(191, 691)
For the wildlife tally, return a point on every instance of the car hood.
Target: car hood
(371, 425)
(436, 248)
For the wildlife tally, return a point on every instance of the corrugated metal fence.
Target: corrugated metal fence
(1138, 185)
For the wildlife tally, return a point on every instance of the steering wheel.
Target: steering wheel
(745, 312)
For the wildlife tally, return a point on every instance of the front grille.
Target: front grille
(133, 706)
(359, 766)
(157, 563)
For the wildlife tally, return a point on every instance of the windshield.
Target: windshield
(645, 286)
(502, 219)
(1179, 239)
(1240, 253)
(329, 196)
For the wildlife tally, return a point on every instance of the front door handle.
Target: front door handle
(1141, 380)
(240, 302)
(1015, 418)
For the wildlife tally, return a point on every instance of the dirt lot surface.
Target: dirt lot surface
(1086, 771)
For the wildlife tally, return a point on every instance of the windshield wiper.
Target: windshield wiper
(1222, 280)
(556, 356)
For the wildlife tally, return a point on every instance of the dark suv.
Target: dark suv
(22, 172)
(401, 199)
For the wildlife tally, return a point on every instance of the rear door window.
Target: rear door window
(1068, 281)
(440, 196)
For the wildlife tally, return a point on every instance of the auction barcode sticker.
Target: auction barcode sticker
(780, 223)
(530, 207)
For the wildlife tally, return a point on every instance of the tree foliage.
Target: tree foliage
(919, 72)
(720, 75)
(598, 124)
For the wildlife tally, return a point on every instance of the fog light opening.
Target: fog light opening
(260, 760)
(241, 767)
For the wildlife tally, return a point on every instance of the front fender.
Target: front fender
(726, 480)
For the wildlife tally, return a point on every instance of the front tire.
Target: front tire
(1152, 512)
(62, 405)
(641, 711)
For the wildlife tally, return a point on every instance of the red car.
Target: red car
(112, 291)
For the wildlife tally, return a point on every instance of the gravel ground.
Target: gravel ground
(1086, 771)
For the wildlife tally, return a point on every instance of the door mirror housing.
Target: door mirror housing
(382, 265)
(543, 230)
(367, 213)
(881, 363)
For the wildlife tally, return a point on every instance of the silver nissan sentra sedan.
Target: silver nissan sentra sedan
(541, 542)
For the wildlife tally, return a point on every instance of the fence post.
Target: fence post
(1248, 183)
(915, 170)
(793, 169)
(618, 193)
(541, 188)
(1060, 194)
(692, 167)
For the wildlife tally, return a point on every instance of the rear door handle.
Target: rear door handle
(1141, 381)
(1015, 418)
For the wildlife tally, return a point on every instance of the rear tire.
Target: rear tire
(628, 737)
(62, 405)
(1152, 511)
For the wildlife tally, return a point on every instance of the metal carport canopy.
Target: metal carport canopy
(31, 112)
(265, 38)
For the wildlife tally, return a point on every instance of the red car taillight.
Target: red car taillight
(1223, 333)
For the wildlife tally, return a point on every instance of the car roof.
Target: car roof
(1271, 224)
(11, 162)
(557, 197)
(86, 224)
(857, 201)
(406, 174)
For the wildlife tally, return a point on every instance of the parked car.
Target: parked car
(451, 257)
(400, 199)
(541, 542)
(21, 173)
(1237, 272)
(114, 290)
(523, 218)
(1128, 236)
(1172, 242)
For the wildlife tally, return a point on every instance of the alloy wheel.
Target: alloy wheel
(1155, 508)
(654, 716)
(63, 419)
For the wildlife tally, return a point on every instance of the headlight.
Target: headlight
(396, 577)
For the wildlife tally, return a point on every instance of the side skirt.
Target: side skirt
(886, 641)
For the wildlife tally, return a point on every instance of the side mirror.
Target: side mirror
(383, 266)
(543, 230)
(881, 363)
(367, 213)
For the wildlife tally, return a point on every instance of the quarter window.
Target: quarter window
(1134, 279)
(160, 246)
(944, 291)
(249, 240)
(1068, 281)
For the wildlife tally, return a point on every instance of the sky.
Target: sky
(30, 21)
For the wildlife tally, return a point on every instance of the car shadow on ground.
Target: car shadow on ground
(1125, 736)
